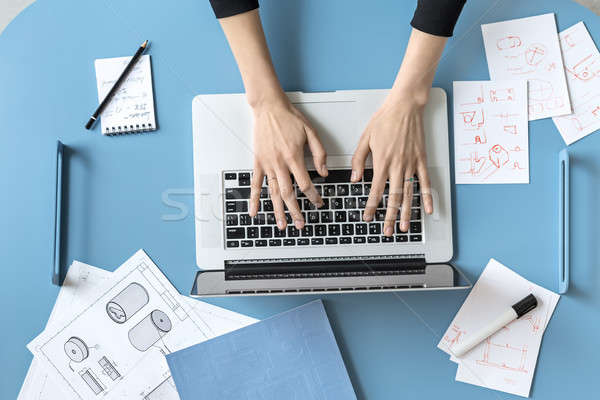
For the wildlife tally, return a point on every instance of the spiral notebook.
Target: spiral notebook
(131, 110)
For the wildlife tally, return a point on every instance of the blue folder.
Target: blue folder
(292, 355)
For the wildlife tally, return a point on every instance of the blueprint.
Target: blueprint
(108, 334)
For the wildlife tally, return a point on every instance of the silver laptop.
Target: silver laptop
(336, 251)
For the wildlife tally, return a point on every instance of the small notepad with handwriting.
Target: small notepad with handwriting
(131, 110)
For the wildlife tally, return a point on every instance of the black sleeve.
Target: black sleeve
(437, 17)
(227, 8)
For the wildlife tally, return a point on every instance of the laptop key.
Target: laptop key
(368, 175)
(415, 214)
(316, 241)
(325, 205)
(230, 176)
(236, 233)
(307, 205)
(303, 242)
(362, 202)
(267, 205)
(367, 187)
(313, 217)
(252, 232)
(416, 201)
(333, 230)
(416, 238)
(337, 203)
(340, 216)
(328, 190)
(326, 216)
(244, 175)
(375, 228)
(380, 215)
(401, 238)
(264, 193)
(245, 219)
(233, 243)
(343, 190)
(320, 230)
(356, 189)
(354, 216)
(247, 243)
(359, 239)
(260, 243)
(275, 242)
(237, 193)
(271, 219)
(231, 220)
(243, 181)
(330, 240)
(387, 239)
(345, 240)
(361, 229)
(292, 231)
(307, 230)
(289, 242)
(349, 202)
(266, 232)
(348, 229)
(278, 233)
(373, 239)
(415, 227)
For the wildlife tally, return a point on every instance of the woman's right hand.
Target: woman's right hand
(280, 134)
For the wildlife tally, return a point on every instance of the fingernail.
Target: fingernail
(354, 175)
(299, 224)
(367, 217)
(389, 231)
(404, 226)
(280, 224)
(324, 170)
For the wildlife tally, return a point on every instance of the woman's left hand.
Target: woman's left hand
(396, 140)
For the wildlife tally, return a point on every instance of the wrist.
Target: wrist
(266, 97)
(415, 92)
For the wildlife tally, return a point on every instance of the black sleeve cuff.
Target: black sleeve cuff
(437, 17)
(227, 8)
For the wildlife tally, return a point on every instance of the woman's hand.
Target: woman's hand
(280, 134)
(395, 138)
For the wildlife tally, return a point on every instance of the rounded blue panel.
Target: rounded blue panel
(116, 186)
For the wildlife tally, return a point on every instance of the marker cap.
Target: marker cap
(522, 307)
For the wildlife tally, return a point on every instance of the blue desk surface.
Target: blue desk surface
(114, 204)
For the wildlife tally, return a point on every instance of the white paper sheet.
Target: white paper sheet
(491, 137)
(528, 48)
(506, 360)
(135, 356)
(582, 65)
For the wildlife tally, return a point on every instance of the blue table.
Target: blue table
(114, 206)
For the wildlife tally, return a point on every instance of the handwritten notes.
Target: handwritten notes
(491, 138)
(582, 65)
(528, 48)
(505, 361)
(132, 107)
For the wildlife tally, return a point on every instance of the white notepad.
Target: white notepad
(131, 110)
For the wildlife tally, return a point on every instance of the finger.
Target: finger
(359, 158)
(317, 150)
(393, 204)
(276, 199)
(298, 168)
(406, 202)
(377, 188)
(257, 180)
(289, 197)
(426, 197)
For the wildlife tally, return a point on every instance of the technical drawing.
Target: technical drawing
(473, 120)
(92, 381)
(454, 335)
(508, 42)
(129, 301)
(109, 368)
(535, 54)
(149, 330)
(502, 94)
(76, 349)
(165, 391)
(504, 356)
(512, 129)
(585, 69)
(498, 155)
(540, 89)
(478, 100)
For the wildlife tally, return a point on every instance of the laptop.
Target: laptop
(336, 251)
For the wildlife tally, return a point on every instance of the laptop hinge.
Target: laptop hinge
(324, 267)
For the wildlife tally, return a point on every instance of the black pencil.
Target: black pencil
(117, 84)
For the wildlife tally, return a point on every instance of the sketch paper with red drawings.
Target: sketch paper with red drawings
(491, 138)
(528, 48)
(582, 65)
(506, 360)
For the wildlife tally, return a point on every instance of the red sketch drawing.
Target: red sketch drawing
(512, 129)
(498, 155)
(504, 356)
(454, 335)
(585, 69)
(473, 120)
(535, 54)
(540, 89)
(516, 166)
(508, 42)
(497, 95)
(478, 99)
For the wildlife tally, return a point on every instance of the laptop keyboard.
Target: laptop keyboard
(338, 222)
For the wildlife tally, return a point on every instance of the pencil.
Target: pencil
(116, 86)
